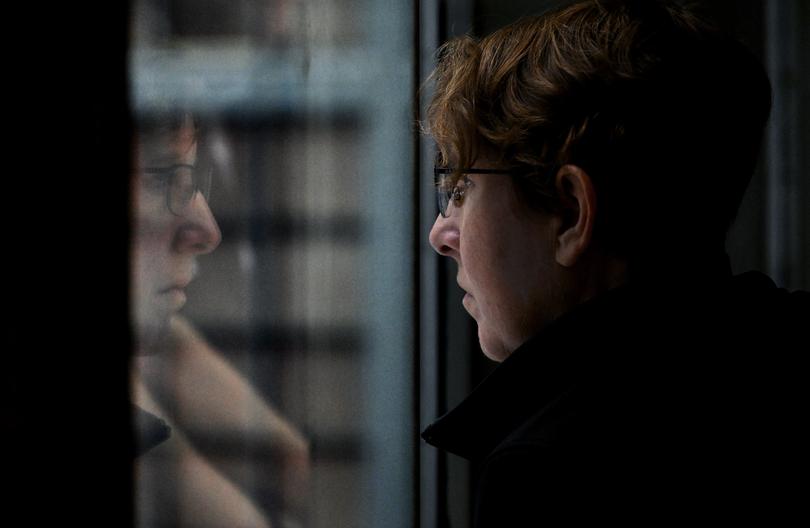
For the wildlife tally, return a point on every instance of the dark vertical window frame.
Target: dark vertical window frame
(428, 313)
(105, 367)
(428, 306)
(67, 286)
(417, 278)
(787, 218)
(804, 47)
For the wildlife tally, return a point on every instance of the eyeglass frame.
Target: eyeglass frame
(171, 173)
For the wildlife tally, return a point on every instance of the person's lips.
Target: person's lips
(174, 293)
(179, 284)
(469, 304)
(468, 299)
(174, 297)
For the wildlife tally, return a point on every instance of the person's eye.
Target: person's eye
(182, 177)
(457, 195)
(156, 181)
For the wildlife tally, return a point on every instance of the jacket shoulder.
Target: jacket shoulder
(534, 475)
(522, 485)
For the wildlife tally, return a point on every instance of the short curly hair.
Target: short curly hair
(663, 111)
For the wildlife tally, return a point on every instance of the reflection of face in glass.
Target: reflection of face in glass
(172, 225)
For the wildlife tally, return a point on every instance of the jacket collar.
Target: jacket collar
(528, 380)
(561, 355)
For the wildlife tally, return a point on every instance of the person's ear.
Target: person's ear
(577, 216)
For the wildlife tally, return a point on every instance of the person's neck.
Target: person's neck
(673, 268)
(596, 275)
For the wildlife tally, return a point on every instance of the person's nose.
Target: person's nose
(444, 237)
(199, 232)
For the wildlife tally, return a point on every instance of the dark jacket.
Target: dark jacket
(647, 405)
(150, 431)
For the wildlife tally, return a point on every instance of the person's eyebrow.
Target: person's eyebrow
(160, 151)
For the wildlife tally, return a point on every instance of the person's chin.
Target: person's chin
(152, 334)
(492, 348)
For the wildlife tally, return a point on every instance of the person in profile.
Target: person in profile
(187, 396)
(591, 161)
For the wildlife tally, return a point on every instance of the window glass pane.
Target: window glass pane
(273, 377)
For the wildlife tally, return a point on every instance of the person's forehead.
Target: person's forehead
(167, 144)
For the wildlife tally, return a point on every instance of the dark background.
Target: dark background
(65, 206)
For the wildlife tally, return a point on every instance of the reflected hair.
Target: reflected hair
(165, 121)
(155, 129)
(662, 110)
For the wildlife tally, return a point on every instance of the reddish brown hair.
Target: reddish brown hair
(664, 112)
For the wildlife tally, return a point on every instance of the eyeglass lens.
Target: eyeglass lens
(184, 183)
(444, 192)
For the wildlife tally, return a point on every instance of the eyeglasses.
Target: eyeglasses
(182, 183)
(447, 192)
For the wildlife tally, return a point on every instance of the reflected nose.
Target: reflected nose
(444, 237)
(199, 232)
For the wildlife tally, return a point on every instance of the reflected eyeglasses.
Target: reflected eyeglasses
(447, 188)
(182, 181)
